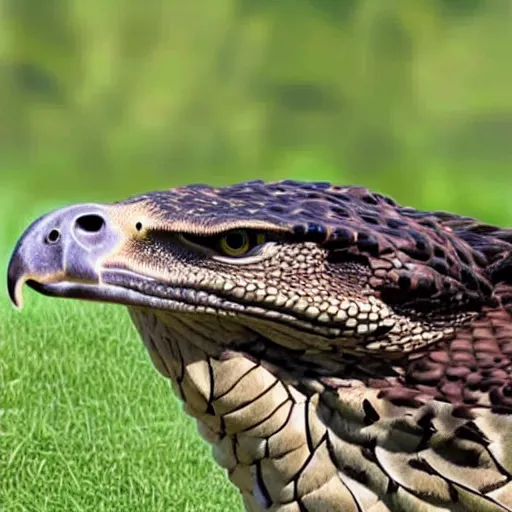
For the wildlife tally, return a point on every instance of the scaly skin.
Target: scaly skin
(356, 358)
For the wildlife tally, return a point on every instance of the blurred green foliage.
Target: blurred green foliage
(102, 99)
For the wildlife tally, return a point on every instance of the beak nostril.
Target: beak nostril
(53, 236)
(91, 223)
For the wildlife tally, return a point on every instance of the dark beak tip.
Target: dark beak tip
(10, 290)
(15, 281)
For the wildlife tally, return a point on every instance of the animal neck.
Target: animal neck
(263, 430)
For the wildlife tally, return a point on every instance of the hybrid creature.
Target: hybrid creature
(340, 352)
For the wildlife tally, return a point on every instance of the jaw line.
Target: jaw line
(100, 292)
(104, 291)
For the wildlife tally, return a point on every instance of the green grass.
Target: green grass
(86, 423)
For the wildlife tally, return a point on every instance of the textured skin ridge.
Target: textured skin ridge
(446, 246)
(359, 359)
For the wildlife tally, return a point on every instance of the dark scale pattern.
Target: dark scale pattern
(475, 362)
(422, 262)
(450, 254)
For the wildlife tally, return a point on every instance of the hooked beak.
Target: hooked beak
(61, 253)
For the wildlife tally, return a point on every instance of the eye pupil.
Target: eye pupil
(235, 243)
(235, 240)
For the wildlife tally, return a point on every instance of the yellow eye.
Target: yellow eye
(235, 243)
(261, 238)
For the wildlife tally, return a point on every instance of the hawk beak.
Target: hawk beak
(62, 249)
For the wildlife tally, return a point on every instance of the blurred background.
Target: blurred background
(103, 99)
